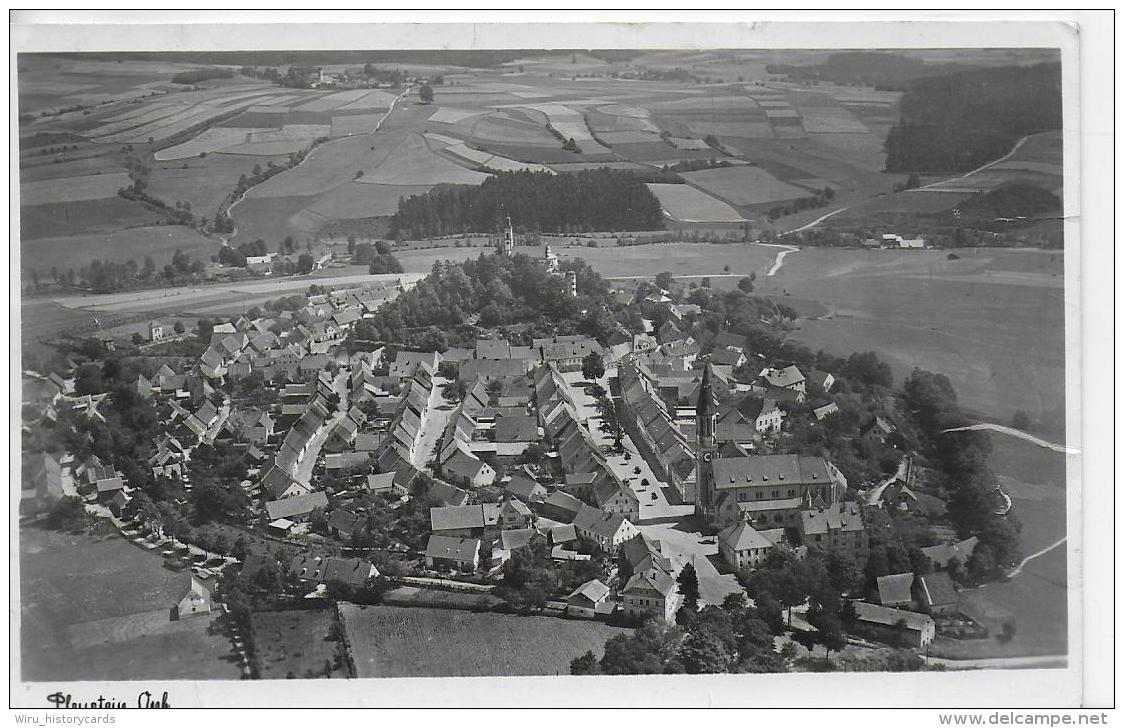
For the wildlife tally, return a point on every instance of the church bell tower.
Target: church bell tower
(706, 419)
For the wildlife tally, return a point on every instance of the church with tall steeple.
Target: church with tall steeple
(706, 421)
(508, 238)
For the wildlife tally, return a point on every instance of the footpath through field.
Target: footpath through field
(1041, 552)
(991, 426)
(786, 249)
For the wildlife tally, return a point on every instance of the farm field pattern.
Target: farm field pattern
(199, 140)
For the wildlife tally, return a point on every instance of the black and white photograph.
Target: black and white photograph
(366, 356)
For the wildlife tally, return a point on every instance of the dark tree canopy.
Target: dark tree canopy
(594, 199)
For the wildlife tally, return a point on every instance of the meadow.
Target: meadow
(74, 251)
(993, 321)
(297, 643)
(416, 642)
(745, 185)
(1035, 478)
(684, 203)
(97, 608)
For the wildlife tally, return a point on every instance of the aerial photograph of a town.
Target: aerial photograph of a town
(403, 363)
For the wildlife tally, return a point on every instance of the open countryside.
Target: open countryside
(502, 363)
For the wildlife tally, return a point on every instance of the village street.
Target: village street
(303, 473)
(652, 509)
(437, 414)
(659, 519)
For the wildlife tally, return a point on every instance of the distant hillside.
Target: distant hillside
(959, 121)
(475, 58)
(888, 71)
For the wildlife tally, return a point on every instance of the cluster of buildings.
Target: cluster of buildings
(367, 420)
(894, 241)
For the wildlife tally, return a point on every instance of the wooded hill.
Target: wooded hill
(595, 199)
(960, 121)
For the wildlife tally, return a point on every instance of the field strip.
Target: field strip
(780, 256)
(1019, 434)
(1035, 555)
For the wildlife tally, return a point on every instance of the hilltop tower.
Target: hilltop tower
(706, 420)
(550, 260)
(509, 238)
(572, 282)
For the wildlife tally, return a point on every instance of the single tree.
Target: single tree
(688, 582)
(593, 366)
(425, 94)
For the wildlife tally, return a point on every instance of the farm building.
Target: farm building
(195, 602)
(893, 626)
(589, 600)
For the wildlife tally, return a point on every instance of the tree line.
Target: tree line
(595, 199)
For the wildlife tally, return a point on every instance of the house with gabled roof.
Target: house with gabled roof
(296, 508)
(589, 600)
(447, 494)
(42, 483)
(942, 554)
(607, 530)
(789, 377)
(407, 362)
(445, 552)
(612, 496)
(559, 506)
(824, 411)
(936, 593)
(743, 547)
(525, 488)
(514, 513)
(896, 590)
(893, 626)
(651, 593)
(343, 523)
(836, 527)
(464, 521)
(877, 431)
(469, 470)
(195, 602)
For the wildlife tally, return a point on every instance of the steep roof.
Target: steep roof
(937, 589)
(787, 377)
(593, 590)
(459, 549)
(517, 538)
(943, 553)
(844, 516)
(296, 506)
(448, 518)
(651, 579)
(742, 536)
(605, 525)
(895, 588)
